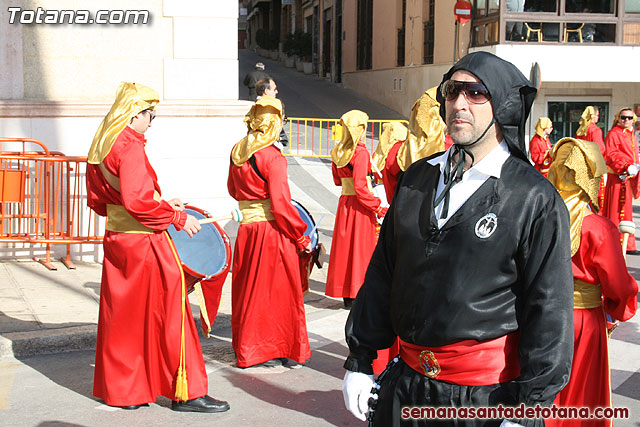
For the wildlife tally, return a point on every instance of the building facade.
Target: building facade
(585, 51)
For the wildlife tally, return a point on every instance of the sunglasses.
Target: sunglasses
(152, 115)
(474, 92)
(626, 117)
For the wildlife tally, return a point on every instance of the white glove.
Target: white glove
(507, 423)
(633, 169)
(356, 390)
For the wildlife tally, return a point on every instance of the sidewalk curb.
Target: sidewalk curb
(21, 344)
(74, 338)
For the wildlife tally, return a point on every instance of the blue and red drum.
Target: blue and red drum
(317, 251)
(205, 258)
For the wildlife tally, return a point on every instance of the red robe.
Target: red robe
(267, 318)
(622, 151)
(594, 134)
(598, 261)
(354, 231)
(139, 324)
(540, 149)
(391, 171)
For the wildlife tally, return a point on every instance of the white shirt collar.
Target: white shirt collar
(490, 165)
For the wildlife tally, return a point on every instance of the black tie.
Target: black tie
(452, 175)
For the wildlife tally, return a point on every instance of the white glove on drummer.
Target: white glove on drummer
(356, 390)
(633, 169)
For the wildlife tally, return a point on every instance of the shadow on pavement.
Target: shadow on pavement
(629, 388)
(314, 403)
(78, 379)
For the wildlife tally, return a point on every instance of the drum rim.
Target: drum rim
(226, 242)
(312, 219)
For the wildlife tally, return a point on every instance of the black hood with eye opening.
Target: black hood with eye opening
(512, 95)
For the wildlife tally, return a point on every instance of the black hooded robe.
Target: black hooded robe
(434, 287)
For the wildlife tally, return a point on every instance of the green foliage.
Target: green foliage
(299, 44)
(262, 38)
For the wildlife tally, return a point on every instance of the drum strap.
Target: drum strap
(254, 165)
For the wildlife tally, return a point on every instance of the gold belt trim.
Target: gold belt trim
(586, 295)
(255, 211)
(121, 221)
(349, 189)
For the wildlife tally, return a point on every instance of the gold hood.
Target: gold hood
(264, 122)
(542, 124)
(355, 122)
(426, 131)
(131, 99)
(392, 132)
(575, 171)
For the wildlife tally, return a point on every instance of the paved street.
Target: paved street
(44, 311)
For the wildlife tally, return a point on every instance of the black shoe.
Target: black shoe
(633, 252)
(132, 407)
(268, 364)
(348, 303)
(201, 404)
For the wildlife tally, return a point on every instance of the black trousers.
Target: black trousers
(402, 387)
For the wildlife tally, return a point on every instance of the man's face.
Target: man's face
(625, 120)
(596, 116)
(467, 120)
(548, 130)
(272, 90)
(142, 121)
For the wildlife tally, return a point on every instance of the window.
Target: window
(566, 117)
(401, 36)
(429, 34)
(486, 7)
(589, 6)
(365, 34)
(632, 6)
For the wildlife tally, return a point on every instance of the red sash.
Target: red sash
(467, 362)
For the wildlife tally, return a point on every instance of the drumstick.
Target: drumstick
(626, 228)
(316, 226)
(235, 215)
(375, 168)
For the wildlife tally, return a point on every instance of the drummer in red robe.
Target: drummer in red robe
(602, 283)
(540, 147)
(385, 157)
(622, 180)
(267, 319)
(354, 232)
(147, 343)
(590, 131)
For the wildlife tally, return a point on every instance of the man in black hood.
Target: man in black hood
(472, 271)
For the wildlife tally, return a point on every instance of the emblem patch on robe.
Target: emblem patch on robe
(486, 225)
(429, 364)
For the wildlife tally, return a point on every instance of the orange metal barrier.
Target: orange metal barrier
(43, 199)
(316, 137)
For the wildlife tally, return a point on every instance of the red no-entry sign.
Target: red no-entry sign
(462, 11)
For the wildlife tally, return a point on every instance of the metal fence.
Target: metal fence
(43, 198)
(316, 137)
